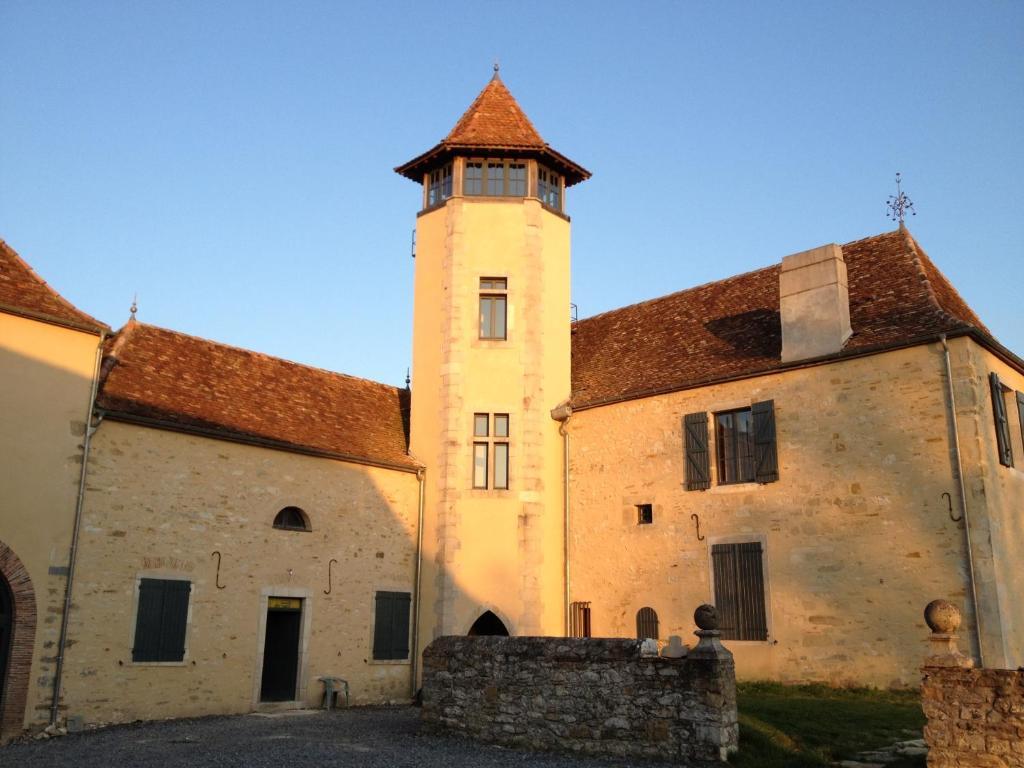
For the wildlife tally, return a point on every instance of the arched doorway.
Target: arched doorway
(488, 624)
(17, 635)
(6, 630)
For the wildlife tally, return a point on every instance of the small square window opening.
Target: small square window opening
(644, 514)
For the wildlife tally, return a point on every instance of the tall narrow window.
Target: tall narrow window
(735, 440)
(473, 179)
(579, 619)
(739, 590)
(440, 188)
(495, 170)
(1003, 443)
(646, 624)
(549, 188)
(516, 178)
(161, 620)
(490, 451)
(493, 308)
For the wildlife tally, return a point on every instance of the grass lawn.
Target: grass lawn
(808, 726)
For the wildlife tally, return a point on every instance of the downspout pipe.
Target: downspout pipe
(562, 415)
(963, 498)
(414, 668)
(90, 429)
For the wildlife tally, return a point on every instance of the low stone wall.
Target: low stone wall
(594, 696)
(975, 717)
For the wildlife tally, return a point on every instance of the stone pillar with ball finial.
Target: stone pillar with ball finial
(943, 618)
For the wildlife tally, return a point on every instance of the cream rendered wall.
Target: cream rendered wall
(995, 499)
(857, 535)
(46, 376)
(159, 503)
(491, 550)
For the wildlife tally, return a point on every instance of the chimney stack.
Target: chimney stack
(814, 303)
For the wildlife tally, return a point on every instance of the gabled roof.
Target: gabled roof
(23, 292)
(168, 379)
(493, 122)
(731, 328)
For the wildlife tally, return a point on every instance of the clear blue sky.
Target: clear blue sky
(231, 161)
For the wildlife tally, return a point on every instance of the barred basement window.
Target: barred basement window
(391, 626)
(739, 590)
(579, 619)
(161, 620)
(646, 624)
(644, 514)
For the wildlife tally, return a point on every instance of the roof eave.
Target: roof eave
(415, 168)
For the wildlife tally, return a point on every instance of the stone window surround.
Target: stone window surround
(514, 438)
(167, 575)
(722, 406)
(389, 586)
(302, 677)
(746, 538)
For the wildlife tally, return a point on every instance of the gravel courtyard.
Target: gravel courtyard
(369, 737)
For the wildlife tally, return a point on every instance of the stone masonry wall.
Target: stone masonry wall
(595, 696)
(975, 717)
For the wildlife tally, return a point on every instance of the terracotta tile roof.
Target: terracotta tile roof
(494, 121)
(731, 328)
(178, 381)
(24, 292)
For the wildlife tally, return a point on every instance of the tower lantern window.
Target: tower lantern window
(440, 187)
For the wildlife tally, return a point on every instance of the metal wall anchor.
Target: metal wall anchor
(696, 519)
(216, 581)
(330, 562)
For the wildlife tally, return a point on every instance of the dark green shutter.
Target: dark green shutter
(1020, 414)
(698, 461)
(739, 591)
(391, 626)
(1002, 422)
(175, 620)
(766, 458)
(161, 620)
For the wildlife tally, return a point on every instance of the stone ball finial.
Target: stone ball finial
(706, 617)
(942, 617)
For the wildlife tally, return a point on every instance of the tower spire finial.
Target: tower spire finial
(497, 66)
(135, 306)
(899, 204)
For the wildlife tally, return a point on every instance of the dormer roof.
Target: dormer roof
(493, 123)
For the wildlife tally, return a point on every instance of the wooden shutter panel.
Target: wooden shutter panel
(739, 591)
(382, 626)
(723, 559)
(766, 460)
(1002, 422)
(147, 620)
(175, 620)
(400, 625)
(750, 587)
(1020, 414)
(698, 461)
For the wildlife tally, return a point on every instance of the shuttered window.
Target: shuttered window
(579, 619)
(1003, 444)
(391, 626)
(161, 620)
(695, 446)
(646, 624)
(739, 590)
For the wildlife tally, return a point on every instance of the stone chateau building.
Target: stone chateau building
(818, 447)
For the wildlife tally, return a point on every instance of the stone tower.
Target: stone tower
(491, 359)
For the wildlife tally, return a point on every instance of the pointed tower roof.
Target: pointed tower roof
(494, 122)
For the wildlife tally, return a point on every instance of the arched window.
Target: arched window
(646, 624)
(291, 519)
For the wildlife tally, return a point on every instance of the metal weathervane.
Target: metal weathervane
(899, 204)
